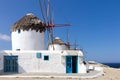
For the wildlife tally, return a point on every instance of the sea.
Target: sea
(113, 65)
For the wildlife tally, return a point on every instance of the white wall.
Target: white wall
(28, 62)
(53, 47)
(81, 66)
(27, 40)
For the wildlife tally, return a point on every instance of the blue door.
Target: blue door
(71, 64)
(68, 64)
(10, 63)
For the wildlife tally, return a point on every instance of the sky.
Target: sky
(95, 24)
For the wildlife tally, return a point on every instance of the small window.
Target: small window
(17, 49)
(38, 55)
(19, 31)
(46, 58)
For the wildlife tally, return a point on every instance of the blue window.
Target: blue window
(46, 57)
(11, 64)
(38, 55)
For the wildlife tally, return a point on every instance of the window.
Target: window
(19, 31)
(10, 63)
(38, 55)
(17, 49)
(46, 57)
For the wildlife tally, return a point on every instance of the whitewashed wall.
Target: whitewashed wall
(27, 40)
(82, 68)
(28, 62)
(56, 47)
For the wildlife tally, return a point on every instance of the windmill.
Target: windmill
(75, 45)
(68, 42)
(69, 45)
(48, 19)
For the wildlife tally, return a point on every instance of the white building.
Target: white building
(29, 55)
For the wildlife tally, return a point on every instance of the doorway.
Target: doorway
(71, 64)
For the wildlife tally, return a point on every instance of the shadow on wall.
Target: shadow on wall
(7, 60)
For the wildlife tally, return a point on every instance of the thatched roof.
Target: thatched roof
(57, 40)
(29, 21)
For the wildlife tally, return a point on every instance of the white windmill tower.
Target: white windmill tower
(28, 33)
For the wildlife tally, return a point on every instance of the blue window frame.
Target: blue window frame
(38, 55)
(10, 63)
(46, 57)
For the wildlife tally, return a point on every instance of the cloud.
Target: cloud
(5, 37)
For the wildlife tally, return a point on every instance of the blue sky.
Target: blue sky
(95, 24)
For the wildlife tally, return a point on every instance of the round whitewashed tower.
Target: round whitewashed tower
(57, 44)
(28, 33)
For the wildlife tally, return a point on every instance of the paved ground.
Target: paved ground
(92, 74)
